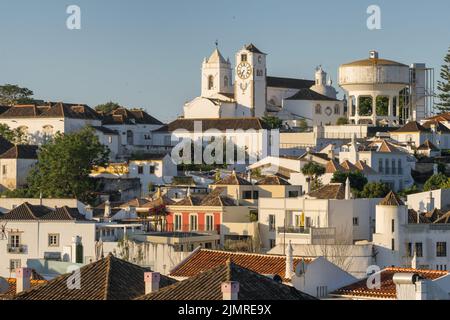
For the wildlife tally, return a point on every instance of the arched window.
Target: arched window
(210, 82)
(318, 109)
(225, 81)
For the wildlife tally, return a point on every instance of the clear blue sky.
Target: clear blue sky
(148, 53)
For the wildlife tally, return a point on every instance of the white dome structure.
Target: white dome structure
(373, 86)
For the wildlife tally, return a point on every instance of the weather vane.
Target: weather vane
(217, 44)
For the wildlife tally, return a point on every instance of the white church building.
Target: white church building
(255, 94)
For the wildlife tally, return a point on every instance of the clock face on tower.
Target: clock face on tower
(244, 70)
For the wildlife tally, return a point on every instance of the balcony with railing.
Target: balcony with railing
(294, 229)
(306, 235)
(18, 249)
(199, 228)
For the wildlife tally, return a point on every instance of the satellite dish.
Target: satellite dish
(4, 285)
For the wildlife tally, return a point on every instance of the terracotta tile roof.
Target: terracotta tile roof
(439, 127)
(277, 82)
(233, 179)
(364, 168)
(412, 126)
(207, 286)
(348, 166)
(428, 145)
(204, 259)
(221, 124)
(213, 199)
(27, 211)
(51, 110)
(322, 156)
(136, 202)
(440, 117)
(11, 292)
(21, 152)
(391, 199)
(129, 116)
(329, 191)
(107, 279)
(272, 181)
(162, 201)
(387, 289)
(332, 166)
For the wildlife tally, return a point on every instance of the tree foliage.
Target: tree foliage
(64, 166)
(272, 122)
(15, 136)
(437, 181)
(107, 107)
(11, 94)
(357, 179)
(313, 171)
(342, 121)
(443, 87)
(374, 190)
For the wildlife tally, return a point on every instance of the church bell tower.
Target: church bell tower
(250, 82)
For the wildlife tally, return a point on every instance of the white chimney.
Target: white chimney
(230, 290)
(422, 289)
(151, 280)
(89, 212)
(414, 261)
(373, 54)
(23, 279)
(289, 261)
(107, 213)
(348, 194)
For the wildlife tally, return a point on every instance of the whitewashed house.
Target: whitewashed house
(15, 165)
(38, 232)
(41, 122)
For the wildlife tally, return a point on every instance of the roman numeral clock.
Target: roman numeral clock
(244, 71)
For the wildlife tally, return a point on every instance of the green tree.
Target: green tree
(374, 190)
(313, 171)
(437, 181)
(357, 179)
(272, 122)
(107, 107)
(303, 125)
(342, 121)
(411, 190)
(11, 94)
(443, 87)
(64, 165)
(15, 136)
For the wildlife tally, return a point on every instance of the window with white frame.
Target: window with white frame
(177, 222)
(53, 240)
(193, 222)
(14, 240)
(14, 264)
(209, 225)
